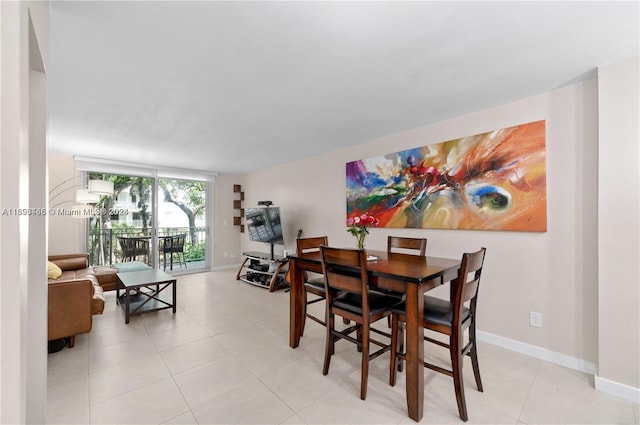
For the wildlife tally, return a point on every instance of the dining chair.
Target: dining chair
(415, 246)
(314, 285)
(347, 291)
(451, 318)
(404, 248)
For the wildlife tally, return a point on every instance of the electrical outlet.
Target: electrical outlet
(535, 319)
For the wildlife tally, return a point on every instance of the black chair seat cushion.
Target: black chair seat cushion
(317, 284)
(353, 302)
(436, 311)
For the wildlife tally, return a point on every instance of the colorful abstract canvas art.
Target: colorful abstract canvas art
(490, 181)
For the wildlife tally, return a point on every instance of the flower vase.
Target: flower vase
(360, 240)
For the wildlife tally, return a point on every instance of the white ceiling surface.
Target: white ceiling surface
(232, 87)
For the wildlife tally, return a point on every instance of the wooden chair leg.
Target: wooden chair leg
(359, 336)
(364, 374)
(329, 346)
(304, 313)
(458, 383)
(72, 341)
(401, 349)
(476, 369)
(474, 357)
(394, 350)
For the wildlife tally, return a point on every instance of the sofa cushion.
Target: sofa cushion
(53, 271)
(72, 263)
(106, 276)
(72, 275)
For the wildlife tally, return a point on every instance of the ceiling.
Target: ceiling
(232, 87)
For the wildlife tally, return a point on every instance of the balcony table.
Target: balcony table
(411, 276)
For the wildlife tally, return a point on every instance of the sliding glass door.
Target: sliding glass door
(158, 221)
(123, 229)
(182, 223)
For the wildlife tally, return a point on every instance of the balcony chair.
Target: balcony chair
(132, 247)
(173, 245)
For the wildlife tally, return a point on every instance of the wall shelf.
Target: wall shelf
(237, 205)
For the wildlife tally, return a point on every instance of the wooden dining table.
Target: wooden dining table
(408, 274)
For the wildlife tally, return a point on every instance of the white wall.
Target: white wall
(23, 147)
(554, 273)
(66, 234)
(619, 224)
(226, 236)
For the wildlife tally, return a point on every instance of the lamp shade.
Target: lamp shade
(101, 187)
(86, 197)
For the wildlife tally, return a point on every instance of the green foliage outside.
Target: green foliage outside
(194, 253)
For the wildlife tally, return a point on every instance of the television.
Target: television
(264, 225)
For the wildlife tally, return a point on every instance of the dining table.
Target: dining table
(410, 275)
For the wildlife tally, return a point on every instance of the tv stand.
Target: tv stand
(263, 270)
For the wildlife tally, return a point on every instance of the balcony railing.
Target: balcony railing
(104, 248)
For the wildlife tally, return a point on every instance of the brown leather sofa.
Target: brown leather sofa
(76, 295)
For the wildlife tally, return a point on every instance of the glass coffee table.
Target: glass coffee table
(145, 290)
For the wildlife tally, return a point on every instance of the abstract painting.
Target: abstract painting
(489, 181)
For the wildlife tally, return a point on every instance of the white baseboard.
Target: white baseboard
(538, 352)
(617, 389)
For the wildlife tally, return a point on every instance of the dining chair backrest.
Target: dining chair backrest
(304, 245)
(415, 246)
(468, 282)
(345, 270)
(313, 282)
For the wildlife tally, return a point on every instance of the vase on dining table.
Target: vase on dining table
(358, 227)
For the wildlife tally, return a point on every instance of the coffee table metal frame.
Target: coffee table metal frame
(143, 292)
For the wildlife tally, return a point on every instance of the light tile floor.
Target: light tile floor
(224, 358)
